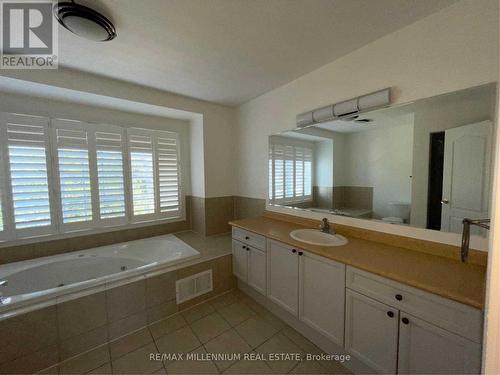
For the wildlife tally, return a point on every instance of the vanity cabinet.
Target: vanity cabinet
(308, 286)
(249, 259)
(389, 324)
(425, 348)
(371, 332)
(283, 276)
(322, 295)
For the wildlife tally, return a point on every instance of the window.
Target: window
(25, 173)
(110, 173)
(290, 172)
(155, 173)
(73, 165)
(142, 172)
(63, 175)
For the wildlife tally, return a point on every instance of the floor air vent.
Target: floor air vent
(193, 286)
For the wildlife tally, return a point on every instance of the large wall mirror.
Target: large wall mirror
(425, 164)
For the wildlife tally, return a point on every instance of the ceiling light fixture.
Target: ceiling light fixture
(84, 22)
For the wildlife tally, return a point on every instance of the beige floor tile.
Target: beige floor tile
(264, 313)
(276, 345)
(194, 365)
(334, 367)
(86, 362)
(168, 325)
(198, 312)
(102, 370)
(224, 300)
(309, 367)
(130, 343)
(255, 331)
(181, 341)
(50, 371)
(303, 343)
(209, 327)
(236, 313)
(249, 367)
(229, 343)
(137, 362)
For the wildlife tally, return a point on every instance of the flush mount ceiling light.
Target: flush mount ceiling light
(84, 22)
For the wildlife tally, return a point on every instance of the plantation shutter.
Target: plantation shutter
(109, 147)
(279, 171)
(142, 171)
(73, 163)
(167, 160)
(26, 174)
(308, 160)
(290, 172)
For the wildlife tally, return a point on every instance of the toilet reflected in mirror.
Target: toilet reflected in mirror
(425, 164)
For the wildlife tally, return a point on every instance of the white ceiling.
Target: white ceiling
(230, 51)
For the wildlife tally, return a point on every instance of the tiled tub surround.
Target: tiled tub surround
(43, 278)
(76, 323)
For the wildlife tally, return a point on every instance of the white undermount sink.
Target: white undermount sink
(316, 237)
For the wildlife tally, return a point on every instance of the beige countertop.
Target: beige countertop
(462, 282)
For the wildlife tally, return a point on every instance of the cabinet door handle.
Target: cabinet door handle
(399, 297)
(294, 251)
(300, 253)
(390, 314)
(405, 320)
(247, 238)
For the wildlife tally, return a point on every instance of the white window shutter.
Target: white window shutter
(142, 173)
(168, 167)
(27, 171)
(109, 147)
(71, 142)
(290, 172)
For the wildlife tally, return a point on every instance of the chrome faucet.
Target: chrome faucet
(4, 282)
(464, 250)
(325, 226)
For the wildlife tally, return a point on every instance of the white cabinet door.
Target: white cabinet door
(240, 260)
(283, 275)
(322, 295)
(371, 332)
(425, 348)
(257, 270)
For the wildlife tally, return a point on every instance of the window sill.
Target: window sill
(86, 232)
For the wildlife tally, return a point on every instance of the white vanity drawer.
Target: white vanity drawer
(451, 315)
(250, 238)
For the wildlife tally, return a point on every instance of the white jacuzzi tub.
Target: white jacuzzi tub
(48, 277)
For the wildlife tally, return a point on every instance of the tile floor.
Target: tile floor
(232, 323)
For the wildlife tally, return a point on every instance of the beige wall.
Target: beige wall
(210, 179)
(447, 51)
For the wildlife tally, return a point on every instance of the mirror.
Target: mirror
(425, 164)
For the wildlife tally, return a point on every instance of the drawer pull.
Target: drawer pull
(247, 238)
(405, 320)
(294, 251)
(300, 253)
(399, 297)
(390, 314)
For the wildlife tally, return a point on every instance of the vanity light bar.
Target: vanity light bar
(349, 107)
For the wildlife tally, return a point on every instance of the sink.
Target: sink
(316, 237)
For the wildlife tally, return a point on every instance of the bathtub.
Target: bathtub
(42, 279)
